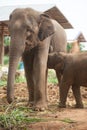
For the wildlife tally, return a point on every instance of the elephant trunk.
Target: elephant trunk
(51, 61)
(16, 50)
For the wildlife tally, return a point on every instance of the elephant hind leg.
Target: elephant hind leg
(28, 63)
(77, 95)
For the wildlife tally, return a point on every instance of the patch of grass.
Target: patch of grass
(15, 119)
(3, 80)
(67, 120)
(25, 109)
(52, 77)
(3, 83)
(20, 79)
(6, 60)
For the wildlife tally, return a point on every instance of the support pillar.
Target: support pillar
(2, 46)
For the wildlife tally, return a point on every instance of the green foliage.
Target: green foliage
(81, 47)
(7, 41)
(52, 76)
(6, 60)
(20, 79)
(69, 46)
(3, 82)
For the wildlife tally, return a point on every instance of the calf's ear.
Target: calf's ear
(46, 27)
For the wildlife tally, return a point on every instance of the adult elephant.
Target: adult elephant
(32, 33)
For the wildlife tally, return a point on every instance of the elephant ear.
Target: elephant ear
(46, 27)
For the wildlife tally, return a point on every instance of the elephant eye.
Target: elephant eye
(27, 29)
(30, 30)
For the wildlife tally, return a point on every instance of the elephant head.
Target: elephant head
(28, 28)
(56, 60)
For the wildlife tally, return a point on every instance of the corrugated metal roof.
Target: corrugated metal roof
(51, 10)
(56, 14)
(74, 34)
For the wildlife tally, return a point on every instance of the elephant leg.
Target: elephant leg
(40, 77)
(63, 91)
(46, 84)
(77, 95)
(28, 65)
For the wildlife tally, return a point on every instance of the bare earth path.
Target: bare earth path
(54, 118)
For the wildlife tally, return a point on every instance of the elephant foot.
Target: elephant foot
(61, 105)
(39, 107)
(79, 106)
(30, 104)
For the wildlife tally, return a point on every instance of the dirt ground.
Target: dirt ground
(68, 118)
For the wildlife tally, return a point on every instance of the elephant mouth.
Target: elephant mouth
(31, 42)
(29, 45)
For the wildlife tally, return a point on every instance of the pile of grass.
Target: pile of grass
(17, 118)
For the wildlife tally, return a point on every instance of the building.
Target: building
(74, 38)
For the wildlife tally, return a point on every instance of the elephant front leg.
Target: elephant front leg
(59, 75)
(28, 65)
(40, 96)
(63, 91)
(77, 94)
(40, 80)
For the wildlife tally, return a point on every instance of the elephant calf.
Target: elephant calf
(73, 68)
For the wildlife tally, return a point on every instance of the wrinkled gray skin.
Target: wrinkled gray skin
(32, 33)
(73, 68)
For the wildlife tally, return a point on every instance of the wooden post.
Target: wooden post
(2, 46)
